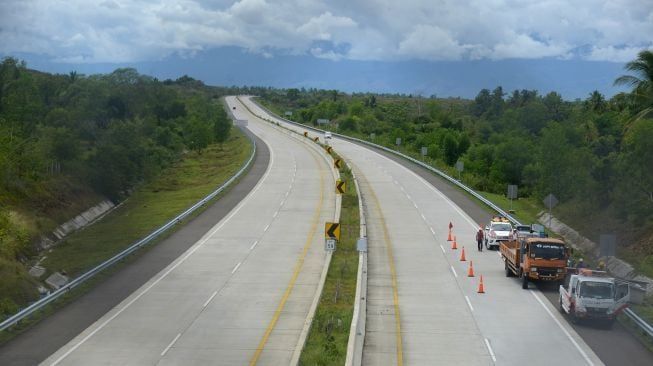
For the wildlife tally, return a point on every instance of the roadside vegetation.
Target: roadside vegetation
(327, 340)
(595, 155)
(70, 141)
(150, 206)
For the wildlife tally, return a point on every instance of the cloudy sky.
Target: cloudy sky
(115, 32)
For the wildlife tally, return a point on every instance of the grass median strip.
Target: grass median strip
(327, 340)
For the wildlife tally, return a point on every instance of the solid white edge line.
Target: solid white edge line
(170, 345)
(210, 298)
(443, 251)
(253, 245)
(454, 271)
(489, 348)
(236, 268)
(469, 303)
(564, 330)
(179, 261)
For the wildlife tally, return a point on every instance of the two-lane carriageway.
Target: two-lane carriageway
(422, 309)
(241, 294)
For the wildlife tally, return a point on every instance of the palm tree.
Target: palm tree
(641, 82)
(595, 102)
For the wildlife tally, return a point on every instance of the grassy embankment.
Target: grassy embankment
(327, 341)
(150, 206)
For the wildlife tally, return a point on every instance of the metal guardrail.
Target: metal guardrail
(14, 319)
(641, 323)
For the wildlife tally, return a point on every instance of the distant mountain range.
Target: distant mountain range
(234, 66)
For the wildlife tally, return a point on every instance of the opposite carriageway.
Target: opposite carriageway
(500, 316)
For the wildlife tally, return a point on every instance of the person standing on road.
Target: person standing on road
(479, 239)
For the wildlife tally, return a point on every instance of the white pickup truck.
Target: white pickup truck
(499, 229)
(594, 296)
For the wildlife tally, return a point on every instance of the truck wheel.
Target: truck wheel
(508, 271)
(608, 324)
(524, 280)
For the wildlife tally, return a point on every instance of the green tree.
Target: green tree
(596, 102)
(635, 189)
(197, 134)
(641, 82)
(221, 126)
(293, 94)
(450, 146)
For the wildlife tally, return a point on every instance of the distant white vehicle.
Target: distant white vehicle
(327, 135)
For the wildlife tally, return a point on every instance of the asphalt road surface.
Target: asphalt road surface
(241, 293)
(442, 318)
(44, 338)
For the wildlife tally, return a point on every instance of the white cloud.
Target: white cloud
(618, 54)
(431, 43)
(524, 46)
(136, 30)
(323, 26)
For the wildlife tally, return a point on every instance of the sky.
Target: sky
(443, 47)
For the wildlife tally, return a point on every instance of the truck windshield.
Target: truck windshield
(597, 290)
(501, 227)
(547, 251)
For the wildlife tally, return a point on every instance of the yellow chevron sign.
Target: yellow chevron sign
(341, 186)
(332, 230)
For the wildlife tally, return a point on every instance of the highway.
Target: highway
(239, 295)
(422, 307)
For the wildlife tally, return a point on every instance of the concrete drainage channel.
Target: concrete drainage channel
(644, 327)
(40, 304)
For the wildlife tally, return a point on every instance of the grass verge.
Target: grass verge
(327, 340)
(150, 206)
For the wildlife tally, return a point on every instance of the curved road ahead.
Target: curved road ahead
(437, 312)
(239, 295)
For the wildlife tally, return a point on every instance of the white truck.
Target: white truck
(499, 229)
(594, 296)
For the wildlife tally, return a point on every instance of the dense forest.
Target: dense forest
(595, 155)
(67, 141)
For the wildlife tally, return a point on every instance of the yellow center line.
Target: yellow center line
(298, 267)
(393, 276)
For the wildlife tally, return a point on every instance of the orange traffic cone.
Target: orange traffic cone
(470, 271)
(481, 288)
(454, 245)
(462, 255)
(449, 236)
